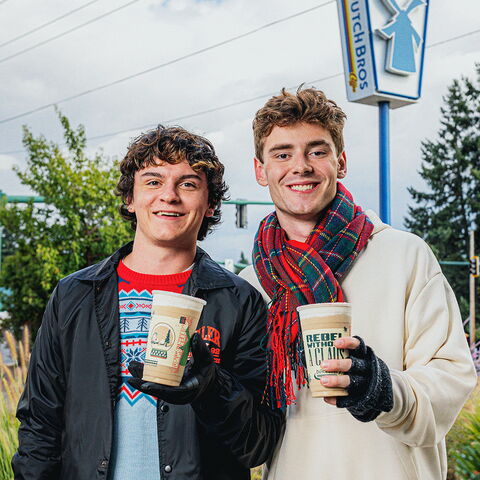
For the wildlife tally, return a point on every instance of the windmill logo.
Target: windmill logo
(403, 39)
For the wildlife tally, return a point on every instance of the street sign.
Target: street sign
(383, 43)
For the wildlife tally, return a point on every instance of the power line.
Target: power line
(233, 104)
(55, 37)
(241, 102)
(192, 115)
(441, 42)
(210, 110)
(40, 27)
(156, 67)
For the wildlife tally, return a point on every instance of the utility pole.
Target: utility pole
(473, 275)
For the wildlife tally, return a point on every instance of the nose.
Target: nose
(169, 194)
(301, 165)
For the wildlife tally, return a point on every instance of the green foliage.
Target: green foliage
(78, 224)
(445, 213)
(463, 442)
(7, 244)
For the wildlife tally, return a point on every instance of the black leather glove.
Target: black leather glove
(200, 374)
(370, 389)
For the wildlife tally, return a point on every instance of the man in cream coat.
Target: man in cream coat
(410, 369)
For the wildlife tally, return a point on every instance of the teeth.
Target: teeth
(169, 214)
(302, 188)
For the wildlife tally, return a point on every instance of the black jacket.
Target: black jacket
(67, 408)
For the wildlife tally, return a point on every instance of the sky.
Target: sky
(246, 71)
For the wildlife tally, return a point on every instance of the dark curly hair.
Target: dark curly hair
(173, 145)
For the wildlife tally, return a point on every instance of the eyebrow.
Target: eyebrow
(289, 146)
(283, 146)
(190, 176)
(318, 143)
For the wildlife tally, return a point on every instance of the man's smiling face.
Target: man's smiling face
(170, 202)
(300, 167)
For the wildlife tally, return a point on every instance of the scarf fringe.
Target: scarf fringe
(285, 358)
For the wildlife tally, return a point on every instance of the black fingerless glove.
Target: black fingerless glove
(370, 389)
(200, 374)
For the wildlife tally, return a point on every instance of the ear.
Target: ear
(260, 172)
(129, 203)
(210, 211)
(342, 165)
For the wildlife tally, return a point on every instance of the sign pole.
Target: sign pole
(384, 167)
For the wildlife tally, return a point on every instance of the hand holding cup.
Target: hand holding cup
(343, 365)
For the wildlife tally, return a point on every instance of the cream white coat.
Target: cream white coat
(403, 307)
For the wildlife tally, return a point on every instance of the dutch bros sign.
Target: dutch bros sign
(383, 44)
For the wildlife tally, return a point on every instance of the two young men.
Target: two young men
(83, 416)
(410, 370)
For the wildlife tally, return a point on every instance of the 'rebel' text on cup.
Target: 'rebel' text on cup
(320, 347)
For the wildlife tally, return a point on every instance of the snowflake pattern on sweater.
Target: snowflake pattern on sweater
(135, 311)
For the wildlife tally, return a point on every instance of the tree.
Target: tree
(450, 207)
(78, 225)
(7, 243)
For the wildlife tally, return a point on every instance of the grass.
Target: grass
(12, 380)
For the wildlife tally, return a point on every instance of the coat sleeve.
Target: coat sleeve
(232, 410)
(438, 373)
(40, 409)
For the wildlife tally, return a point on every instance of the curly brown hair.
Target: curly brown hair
(173, 145)
(308, 106)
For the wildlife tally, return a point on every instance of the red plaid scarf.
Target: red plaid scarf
(292, 276)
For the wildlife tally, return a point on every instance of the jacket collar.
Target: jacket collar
(106, 268)
(378, 225)
(206, 273)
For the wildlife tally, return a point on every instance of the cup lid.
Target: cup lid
(311, 306)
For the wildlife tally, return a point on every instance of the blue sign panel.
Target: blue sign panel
(383, 45)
